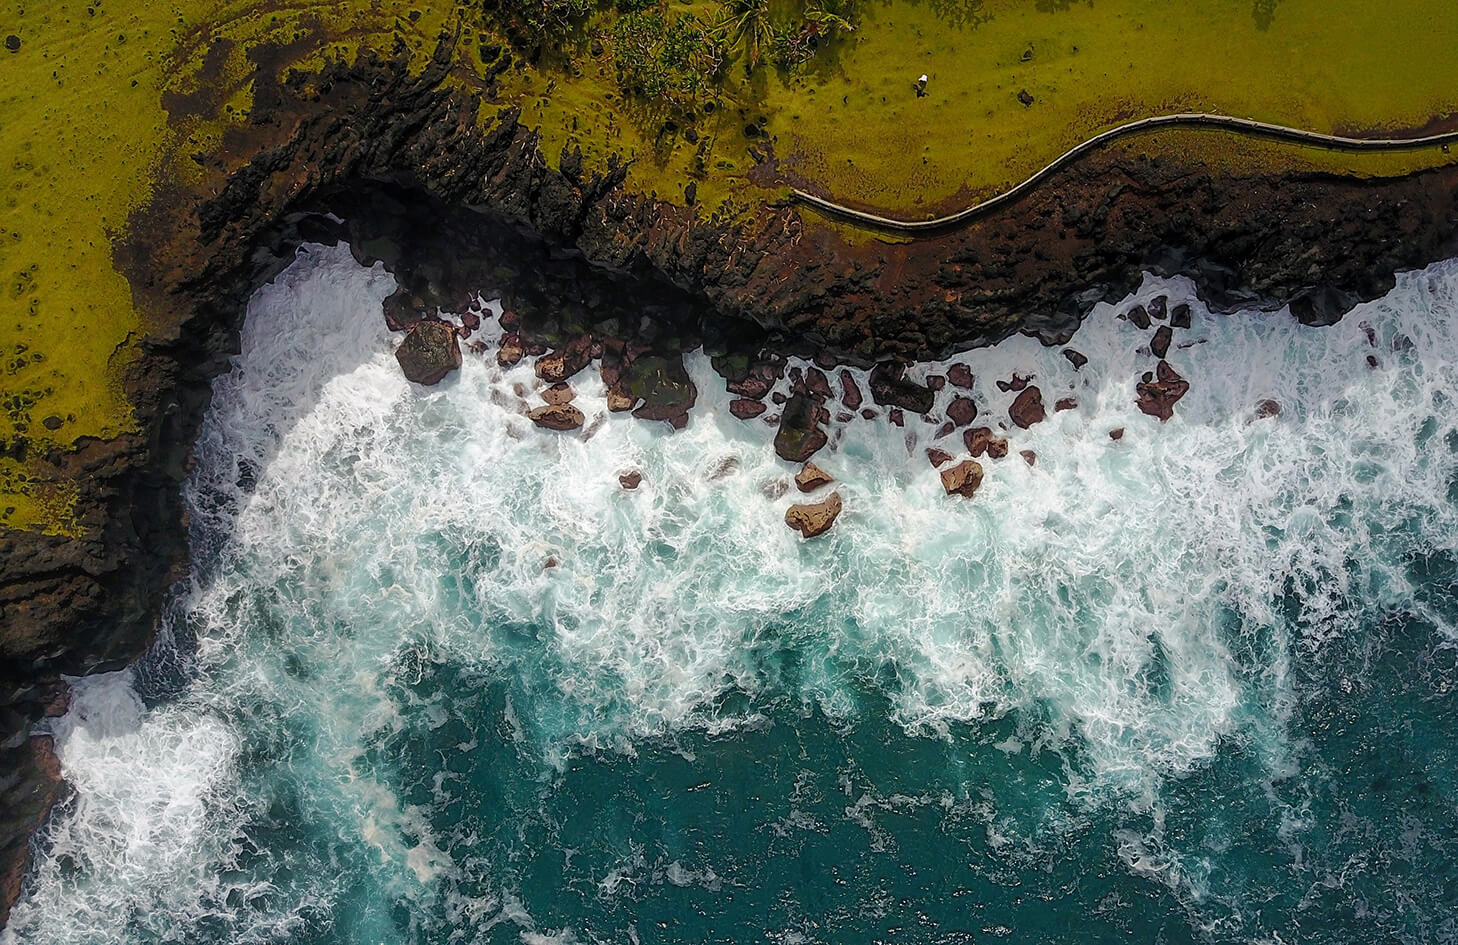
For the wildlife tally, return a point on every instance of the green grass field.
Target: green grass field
(85, 134)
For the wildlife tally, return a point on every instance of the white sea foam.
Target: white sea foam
(1126, 593)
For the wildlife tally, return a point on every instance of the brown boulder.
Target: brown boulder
(814, 518)
(559, 417)
(1266, 409)
(1029, 456)
(1179, 317)
(618, 401)
(1067, 403)
(800, 436)
(1075, 358)
(511, 352)
(960, 375)
(558, 394)
(566, 360)
(1159, 345)
(1027, 409)
(1139, 315)
(962, 411)
(1158, 397)
(938, 457)
(429, 352)
(850, 391)
(963, 479)
(981, 441)
(812, 477)
(1116, 434)
(631, 480)
(746, 409)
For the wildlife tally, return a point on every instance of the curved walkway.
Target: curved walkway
(1256, 129)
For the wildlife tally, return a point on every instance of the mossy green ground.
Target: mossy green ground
(84, 133)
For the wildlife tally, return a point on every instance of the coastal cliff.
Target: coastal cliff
(447, 185)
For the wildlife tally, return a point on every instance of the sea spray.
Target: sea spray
(440, 678)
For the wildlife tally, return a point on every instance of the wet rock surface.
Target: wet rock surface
(799, 436)
(812, 477)
(1027, 408)
(559, 417)
(1157, 397)
(963, 479)
(814, 518)
(429, 352)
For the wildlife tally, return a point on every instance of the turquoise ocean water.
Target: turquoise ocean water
(1192, 686)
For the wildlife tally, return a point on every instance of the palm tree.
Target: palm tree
(747, 23)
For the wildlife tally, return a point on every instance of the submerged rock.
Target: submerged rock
(429, 352)
(812, 477)
(814, 518)
(963, 479)
(1266, 409)
(560, 417)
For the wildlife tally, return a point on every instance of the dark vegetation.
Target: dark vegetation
(674, 60)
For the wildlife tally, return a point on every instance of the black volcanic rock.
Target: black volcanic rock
(800, 435)
(890, 388)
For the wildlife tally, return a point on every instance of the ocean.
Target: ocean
(438, 678)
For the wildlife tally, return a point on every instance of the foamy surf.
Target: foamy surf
(424, 634)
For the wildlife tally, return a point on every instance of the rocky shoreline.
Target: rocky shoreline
(589, 270)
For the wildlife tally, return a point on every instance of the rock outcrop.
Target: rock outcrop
(429, 352)
(1158, 396)
(560, 417)
(812, 477)
(800, 435)
(814, 518)
(963, 479)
